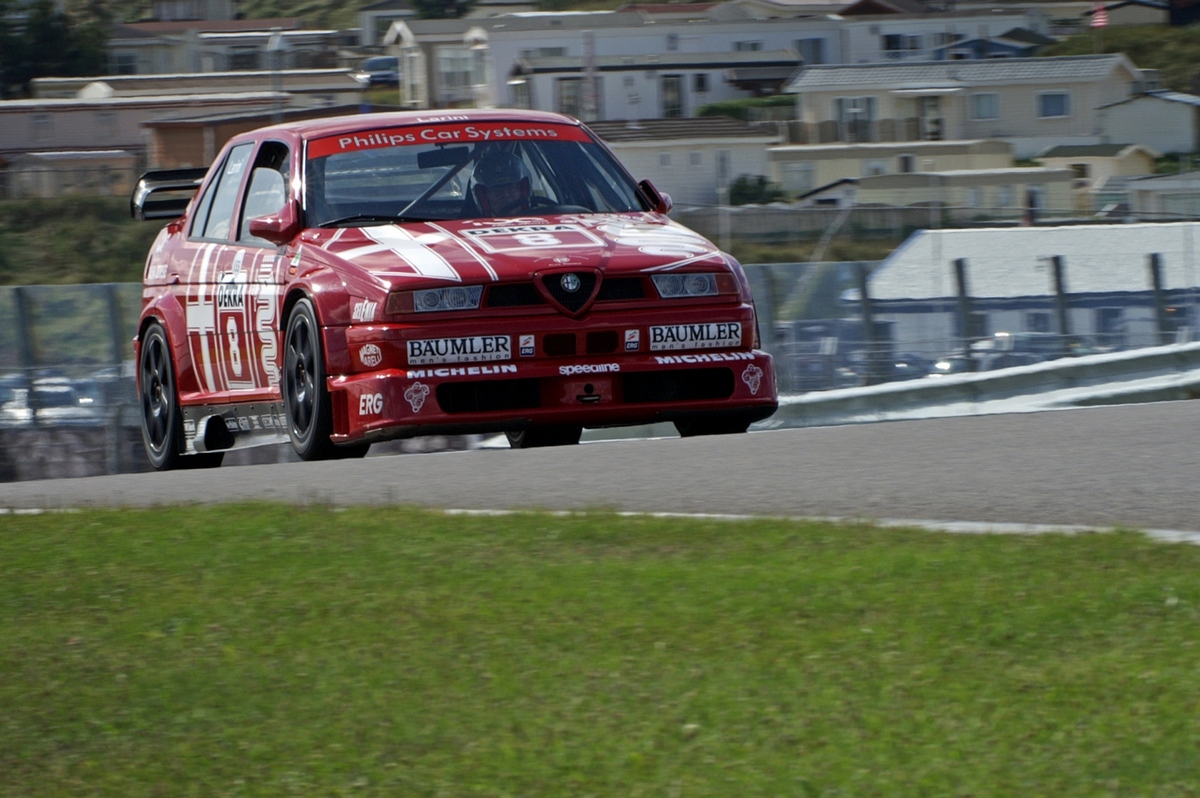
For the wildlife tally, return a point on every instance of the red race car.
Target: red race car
(342, 281)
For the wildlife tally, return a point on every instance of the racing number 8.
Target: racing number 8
(235, 352)
(537, 240)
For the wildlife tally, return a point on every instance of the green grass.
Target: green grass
(266, 650)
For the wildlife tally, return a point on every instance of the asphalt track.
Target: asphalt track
(1132, 466)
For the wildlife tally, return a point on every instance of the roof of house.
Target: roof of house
(1026, 36)
(1161, 94)
(908, 74)
(1012, 262)
(1189, 181)
(671, 9)
(214, 25)
(784, 59)
(705, 127)
(864, 7)
(1088, 150)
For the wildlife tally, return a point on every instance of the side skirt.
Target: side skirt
(220, 428)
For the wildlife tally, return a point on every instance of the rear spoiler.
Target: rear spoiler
(179, 184)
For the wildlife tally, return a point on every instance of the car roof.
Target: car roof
(341, 125)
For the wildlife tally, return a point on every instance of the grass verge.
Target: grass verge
(269, 650)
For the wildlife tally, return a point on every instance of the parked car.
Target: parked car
(379, 70)
(342, 281)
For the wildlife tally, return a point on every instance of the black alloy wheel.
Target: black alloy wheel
(162, 420)
(305, 395)
(538, 437)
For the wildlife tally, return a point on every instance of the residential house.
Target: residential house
(1015, 43)
(1133, 12)
(194, 140)
(693, 160)
(887, 37)
(802, 168)
(375, 19)
(1030, 102)
(1094, 165)
(1010, 279)
(219, 45)
(108, 123)
(1168, 121)
(959, 195)
(303, 86)
(1165, 197)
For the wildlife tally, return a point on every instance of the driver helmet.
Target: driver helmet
(501, 184)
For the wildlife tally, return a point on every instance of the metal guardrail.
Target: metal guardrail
(68, 404)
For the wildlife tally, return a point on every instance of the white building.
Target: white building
(693, 160)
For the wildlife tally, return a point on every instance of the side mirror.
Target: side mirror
(280, 227)
(659, 202)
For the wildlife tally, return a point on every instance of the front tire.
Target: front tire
(162, 420)
(538, 437)
(305, 395)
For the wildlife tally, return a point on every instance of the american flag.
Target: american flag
(1099, 16)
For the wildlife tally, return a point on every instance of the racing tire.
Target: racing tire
(538, 437)
(162, 420)
(305, 396)
(726, 425)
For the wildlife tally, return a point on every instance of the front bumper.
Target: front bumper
(592, 391)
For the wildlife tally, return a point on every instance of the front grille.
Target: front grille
(481, 397)
(615, 289)
(602, 343)
(571, 300)
(678, 386)
(513, 295)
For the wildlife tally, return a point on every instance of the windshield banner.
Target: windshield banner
(465, 133)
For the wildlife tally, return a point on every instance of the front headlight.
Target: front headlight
(435, 300)
(693, 284)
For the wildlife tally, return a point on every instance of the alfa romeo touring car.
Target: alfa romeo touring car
(342, 281)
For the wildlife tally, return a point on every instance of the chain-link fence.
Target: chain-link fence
(68, 403)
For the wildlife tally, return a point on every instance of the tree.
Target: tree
(49, 43)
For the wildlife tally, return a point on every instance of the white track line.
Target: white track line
(954, 527)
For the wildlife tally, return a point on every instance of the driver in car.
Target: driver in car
(501, 184)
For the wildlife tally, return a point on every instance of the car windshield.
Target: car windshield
(462, 171)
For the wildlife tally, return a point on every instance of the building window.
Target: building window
(672, 96)
(855, 117)
(106, 126)
(811, 50)
(664, 159)
(798, 177)
(569, 96)
(700, 82)
(41, 127)
(1082, 171)
(458, 70)
(544, 52)
(747, 47)
(898, 45)
(124, 64)
(874, 167)
(627, 81)
(974, 197)
(1054, 104)
(672, 42)
(985, 106)
(521, 95)
(1037, 321)
(1005, 196)
(243, 59)
(906, 164)
(695, 158)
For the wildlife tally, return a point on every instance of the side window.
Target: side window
(267, 191)
(216, 215)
